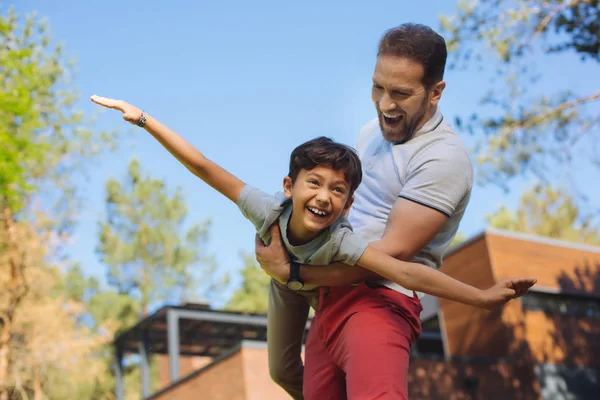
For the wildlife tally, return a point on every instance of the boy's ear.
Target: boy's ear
(347, 206)
(287, 187)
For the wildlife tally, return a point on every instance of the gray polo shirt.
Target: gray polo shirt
(433, 169)
(338, 243)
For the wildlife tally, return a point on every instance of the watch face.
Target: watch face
(294, 285)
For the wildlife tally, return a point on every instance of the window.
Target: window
(431, 324)
(430, 341)
(562, 304)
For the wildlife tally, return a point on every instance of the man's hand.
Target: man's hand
(131, 113)
(273, 259)
(506, 290)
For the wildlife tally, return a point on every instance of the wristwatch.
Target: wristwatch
(294, 283)
(142, 121)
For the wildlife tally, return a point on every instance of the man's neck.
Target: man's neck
(427, 117)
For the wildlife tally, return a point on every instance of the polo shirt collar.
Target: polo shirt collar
(430, 125)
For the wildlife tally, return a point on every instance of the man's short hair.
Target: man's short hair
(418, 43)
(325, 152)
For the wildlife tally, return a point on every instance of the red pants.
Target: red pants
(359, 344)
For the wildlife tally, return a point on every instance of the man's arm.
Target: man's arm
(214, 175)
(409, 228)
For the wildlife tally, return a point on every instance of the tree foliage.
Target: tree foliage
(528, 127)
(550, 212)
(45, 349)
(42, 136)
(253, 295)
(50, 351)
(149, 253)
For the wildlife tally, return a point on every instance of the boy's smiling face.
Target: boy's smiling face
(319, 197)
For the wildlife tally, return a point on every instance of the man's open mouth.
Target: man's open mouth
(392, 120)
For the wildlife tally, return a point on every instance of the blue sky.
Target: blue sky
(246, 82)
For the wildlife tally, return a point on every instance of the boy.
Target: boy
(317, 192)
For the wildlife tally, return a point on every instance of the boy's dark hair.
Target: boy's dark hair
(323, 151)
(418, 43)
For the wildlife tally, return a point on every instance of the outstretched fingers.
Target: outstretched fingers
(109, 103)
(521, 285)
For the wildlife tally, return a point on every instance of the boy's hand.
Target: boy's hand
(131, 113)
(506, 290)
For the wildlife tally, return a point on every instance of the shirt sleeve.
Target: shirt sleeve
(351, 247)
(256, 205)
(439, 177)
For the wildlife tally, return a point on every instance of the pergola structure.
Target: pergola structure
(189, 330)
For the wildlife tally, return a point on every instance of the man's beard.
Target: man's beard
(406, 128)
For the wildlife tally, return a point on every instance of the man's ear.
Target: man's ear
(287, 187)
(436, 92)
(347, 206)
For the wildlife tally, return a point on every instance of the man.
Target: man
(417, 179)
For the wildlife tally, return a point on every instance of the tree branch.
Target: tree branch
(517, 14)
(551, 13)
(532, 120)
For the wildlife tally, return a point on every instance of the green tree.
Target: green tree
(44, 143)
(24, 74)
(550, 212)
(528, 127)
(105, 309)
(150, 257)
(148, 253)
(253, 295)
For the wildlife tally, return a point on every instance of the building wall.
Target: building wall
(220, 381)
(470, 330)
(511, 331)
(449, 380)
(259, 385)
(572, 270)
(552, 338)
(187, 365)
(245, 375)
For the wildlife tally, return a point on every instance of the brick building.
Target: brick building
(545, 345)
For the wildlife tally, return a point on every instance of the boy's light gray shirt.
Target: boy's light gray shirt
(338, 243)
(433, 168)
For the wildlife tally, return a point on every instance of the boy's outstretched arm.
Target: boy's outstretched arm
(412, 276)
(421, 278)
(211, 173)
